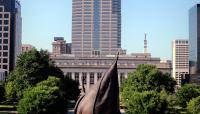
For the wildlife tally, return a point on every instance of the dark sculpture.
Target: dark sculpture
(102, 98)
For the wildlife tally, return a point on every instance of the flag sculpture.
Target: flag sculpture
(102, 98)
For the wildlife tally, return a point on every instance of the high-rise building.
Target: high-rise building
(194, 38)
(59, 46)
(180, 61)
(27, 47)
(96, 27)
(10, 33)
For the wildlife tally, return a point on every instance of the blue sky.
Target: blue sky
(162, 20)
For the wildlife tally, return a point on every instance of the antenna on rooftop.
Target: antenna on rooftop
(145, 43)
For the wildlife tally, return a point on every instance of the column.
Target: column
(73, 76)
(95, 78)
(88, 81)
(80, 79)
(119, 79)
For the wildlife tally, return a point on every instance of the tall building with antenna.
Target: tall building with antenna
(145, 43)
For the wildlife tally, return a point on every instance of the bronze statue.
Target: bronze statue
(102, 98)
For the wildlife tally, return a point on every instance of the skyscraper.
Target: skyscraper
(10, 33)
(180, 60)
(194, 39)
(96, 27)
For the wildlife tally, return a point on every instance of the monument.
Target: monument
(102, 98)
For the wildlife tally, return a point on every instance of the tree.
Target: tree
(71, 88)
(45, 98)
(186, 93)
(31, 68)
(10, 93)
(146, 90)
(147, 78)
(148, 102)
(194, 106)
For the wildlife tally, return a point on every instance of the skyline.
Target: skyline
(163, 21)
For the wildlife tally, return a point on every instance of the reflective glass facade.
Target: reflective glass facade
(96, 27)
(194, 39)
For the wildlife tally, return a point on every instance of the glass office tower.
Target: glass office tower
(10, 33)
(96, 27)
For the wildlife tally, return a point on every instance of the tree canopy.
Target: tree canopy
(143, 91)
(186, 93)
(45, 98)
(194, 106)
(147, 78)
(148, 102)
(31, 68)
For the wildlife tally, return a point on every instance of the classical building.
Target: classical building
(96, 27)
(10, 33)
(180, 61)
(27, 47)
(194, 43)
(92, 68)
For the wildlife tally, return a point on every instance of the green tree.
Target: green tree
(147, 78)
(148, 102)
(71, 88)
(10, 93)
(194, 106)
(45, 98)
(31, 68)
(186, 93)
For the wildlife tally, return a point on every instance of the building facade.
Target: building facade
(96, 27)
(59, 46)
(26, 47)
(10, 33)
(180, 61)
(194, 39)
(93, 68)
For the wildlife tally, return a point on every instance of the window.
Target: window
(5, 41)
(5, 60)
(5, 47)
(0, 15)
(69, 74)
(77, 76)
(6, 16)
(5, 28)
(5, 66)
(84, 77)
(5, 35)
(6, 22)
(99, 75)
(5, 54)
(91, 78)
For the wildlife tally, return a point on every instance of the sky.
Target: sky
(162, 20)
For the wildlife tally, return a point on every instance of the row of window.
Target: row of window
(6, 22)
(91, 74)
(5, 15)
